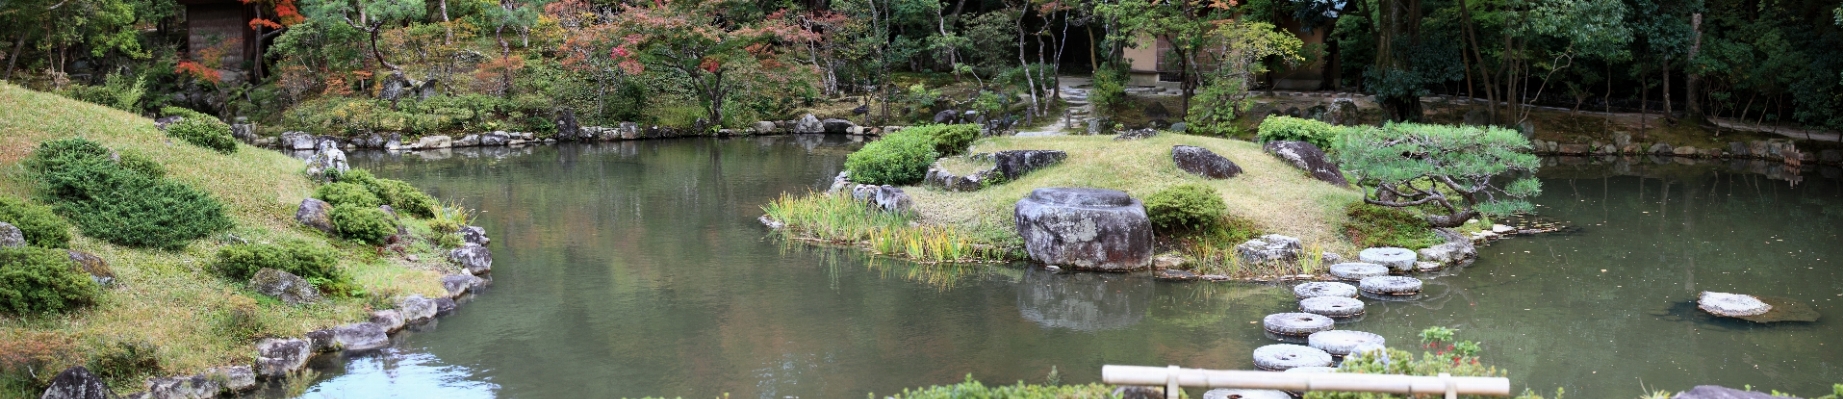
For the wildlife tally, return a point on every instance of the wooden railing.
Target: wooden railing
(1173, 378)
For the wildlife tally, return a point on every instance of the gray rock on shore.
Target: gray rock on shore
(1203, 162)
(316, 214)
(1016, 163)
(360, 337)
(416, 309)
(473, 257)
(1085, 228)
(1268, 249)
(77, 383)
(474, 235)
(287, 287)
(185, 387)
(276, 357)
(10, 236)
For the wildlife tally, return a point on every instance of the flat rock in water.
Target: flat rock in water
(1397, 259)
(1721, 392)
(1732, 305)
(1355, 271)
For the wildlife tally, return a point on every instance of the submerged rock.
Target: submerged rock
(1203, 162)
(1085, 228)
(1732, 305)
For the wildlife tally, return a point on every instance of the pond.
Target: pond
(637, 269)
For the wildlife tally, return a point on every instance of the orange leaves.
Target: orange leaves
(199, 71)
(259, 23)
(495, 76)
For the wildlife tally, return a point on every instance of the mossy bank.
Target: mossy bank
(168, 312)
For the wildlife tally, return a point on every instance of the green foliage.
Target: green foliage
(1444, 359)
(204, 132)
(1450, 167)
(117, 91)
(369, 225)
(975, 389)
(1286, 128)
(898, 159)
(126, 360)
(119, 205)
(41, 227)
(319, 266)
(948, 139)
(139, 163)
(39, 281)
(1224, 96)
(187, 113)
(400, 195)
(1185, 207)
(1109, 91)
(1379, 226)
(343, 193)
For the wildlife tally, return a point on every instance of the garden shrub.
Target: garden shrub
(183, 112)
(141, 163)
(897, 159)
(369, 225)
(208, 133)
(37, 280)
(1286, 128)
(1380, 226)
(948, 139)
(398, 194)
(1185, 207)
(41, 227)
(126, 361)
(122, 206)
(347, 194)
(319, 266)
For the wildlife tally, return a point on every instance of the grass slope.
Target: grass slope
(171, 299)
(1277, 197)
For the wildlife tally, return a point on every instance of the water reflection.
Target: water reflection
(1084, 301)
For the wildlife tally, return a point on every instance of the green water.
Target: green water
(637, 269)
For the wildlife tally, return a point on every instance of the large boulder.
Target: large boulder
(1270, 248)
(763, 127)
(1732, 305)
(474, 257)
(1085, 228)
(1203, 162)
(285, 286)
(435, 142)
(95, 266)
(234, 378)
(77, 383)
(187, 387)
(389, 319)
(1014, 164)
(458, 284)
(838, 126)
(808, 124)
(298, 141)
(10, 236)
(1309, 158)
(568, 129)
(495, 139)
(1720, 392)
(276, 357)
(316, 214)
(474, 235)
(891, 199)
(416, 309)
(361, 337)
(328, 158)
(947, 116)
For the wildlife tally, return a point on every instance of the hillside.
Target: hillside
(167, 300)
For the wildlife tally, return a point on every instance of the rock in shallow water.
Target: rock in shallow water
(1085, 228)
(1280, 357)
(1396, 259)
(1732, 305)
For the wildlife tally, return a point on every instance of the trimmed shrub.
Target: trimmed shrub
(369, 225)
(948, 139)
(1286, 128)
(897, 159)
(41, 227)
(42, 281)
(319, 266)
(347, 194)
(119, 205)
(1185, 207)
(1380, 226)
(202, 132)
(398, 194)
(187, 113)
(141, 163)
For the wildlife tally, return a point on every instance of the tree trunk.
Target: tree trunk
(443, 4)
(1030, 83)
(1668, 107)
(1488, 77)
(1692, 104)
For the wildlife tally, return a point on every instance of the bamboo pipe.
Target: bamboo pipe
(1173, 377)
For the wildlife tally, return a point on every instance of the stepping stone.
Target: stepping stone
(1280, 357)
(1358, 271)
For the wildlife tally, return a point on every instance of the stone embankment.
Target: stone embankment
(304, 141)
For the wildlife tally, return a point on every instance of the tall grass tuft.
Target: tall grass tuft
(839, 219)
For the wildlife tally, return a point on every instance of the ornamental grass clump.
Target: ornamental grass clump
(120, 205)
(41, 227)
(898, 159)
(1457, 172)
(40, 281)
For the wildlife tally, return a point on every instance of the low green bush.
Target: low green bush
(1286, 128)
(368, 225)
(141, 163)
(319, 266)
(183, 112)
(948, 139)
(35, 281)
(126, 361)
(975, 389)
(398, 194)
(1185, 207)
(41, 227)
(347, 194)
(1381, 226)
(208, 133)
(898, 159)
(119, 205)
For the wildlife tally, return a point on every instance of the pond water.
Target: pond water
(637, 269)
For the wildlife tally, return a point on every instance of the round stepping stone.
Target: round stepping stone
(1280, 357)
(1397, 259)
(1286, 339)
(1322, 288)
(1296, 323)
(1732, 305)
(1226, 393)
(1391, 285)
(1342, 342)
(1358, 271)
(1333, 306)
